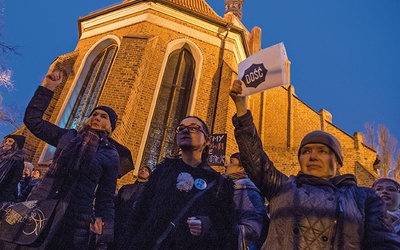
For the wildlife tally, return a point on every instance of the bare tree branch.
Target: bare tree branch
(369, 136)
(397, 166)
(5, 79)
(11, 115)
(387, 145)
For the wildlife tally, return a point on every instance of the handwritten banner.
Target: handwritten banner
(217, 150)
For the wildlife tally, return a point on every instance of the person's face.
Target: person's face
(233, 166)
(35, 174)
(389, 194)
(7, 143)
(100, 120)
(143, 173)
(318, 160)
(190, 135)
(27, 171)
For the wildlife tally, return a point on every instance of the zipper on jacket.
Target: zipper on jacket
(339, 212)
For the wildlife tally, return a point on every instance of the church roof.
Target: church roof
(197, 6)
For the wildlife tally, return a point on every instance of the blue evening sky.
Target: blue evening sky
(345, 54)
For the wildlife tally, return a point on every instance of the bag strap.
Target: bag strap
(175, 221)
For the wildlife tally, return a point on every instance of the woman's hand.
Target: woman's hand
(52, 80)
(195, 226)
(240, 101)
(97, 226)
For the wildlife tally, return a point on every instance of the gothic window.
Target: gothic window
(91, 88)
(171, 107)
(85, 94)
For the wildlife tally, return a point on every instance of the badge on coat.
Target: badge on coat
(200, 184)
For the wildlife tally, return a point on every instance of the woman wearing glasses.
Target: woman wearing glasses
(207, 223)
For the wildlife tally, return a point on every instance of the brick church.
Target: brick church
(156, 61)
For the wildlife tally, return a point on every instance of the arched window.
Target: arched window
(86, 94)
(89, 94)
(171, 107)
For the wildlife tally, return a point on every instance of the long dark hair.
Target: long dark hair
(205, 153)
(6, 154)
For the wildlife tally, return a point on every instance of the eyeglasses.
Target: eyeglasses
(192, 128)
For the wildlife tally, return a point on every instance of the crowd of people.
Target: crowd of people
(183, 203)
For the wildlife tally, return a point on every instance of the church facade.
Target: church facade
(155, 62)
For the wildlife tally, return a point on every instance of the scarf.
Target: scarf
(139, 179)
(69, 162)
(238, 176)
(76, 155)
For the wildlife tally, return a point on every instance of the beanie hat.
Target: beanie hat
(148, 168)
(19, 140)
(377, 181)
(237, 156)
(28, 165)
(325, 138)
(111, 115)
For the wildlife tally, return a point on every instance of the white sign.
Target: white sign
(266, 69)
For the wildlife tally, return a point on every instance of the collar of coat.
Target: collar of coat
(335, 182)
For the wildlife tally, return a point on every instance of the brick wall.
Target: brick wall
(281, 117)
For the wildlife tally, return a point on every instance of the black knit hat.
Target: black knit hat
(325, 138)
(237, 156)
(111, 114)
(148, 168)
(19, 140)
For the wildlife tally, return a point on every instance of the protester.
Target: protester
(318, 208)
(11, 166)
(33, 181)
(83, 172)
(126, 199)
(207, 224)
(24, 182)
(251, 217)
(389, 191)
(36, 174)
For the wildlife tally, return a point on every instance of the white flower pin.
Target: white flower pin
(184, 182)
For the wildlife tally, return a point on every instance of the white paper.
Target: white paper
(274, 60)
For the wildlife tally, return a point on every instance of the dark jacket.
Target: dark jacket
(13, 168)
(308, 212)
(161, 201)
(125, 201)
(96, 184)
(26, 188)
(251, 214)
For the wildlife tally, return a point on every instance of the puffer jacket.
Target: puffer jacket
(96, 185)
(308, 212)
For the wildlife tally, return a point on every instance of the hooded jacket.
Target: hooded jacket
(308, 212)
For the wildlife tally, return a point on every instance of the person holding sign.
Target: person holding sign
(318, 208)
(185, 203)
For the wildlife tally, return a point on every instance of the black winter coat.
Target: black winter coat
(308, 212)
(126, 199)
(14, 168)
(92, 192)
(161, 201)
